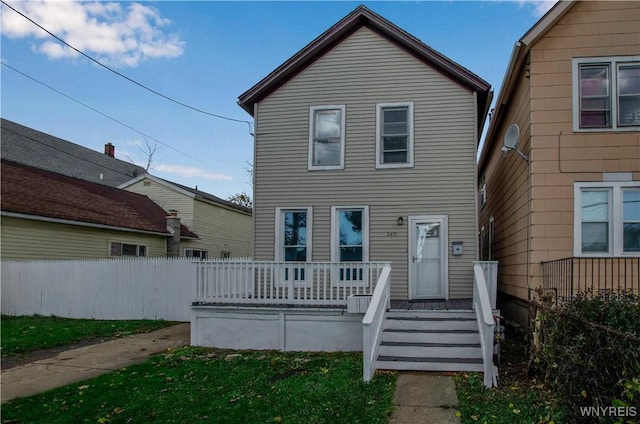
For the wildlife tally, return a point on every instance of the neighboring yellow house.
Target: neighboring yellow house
(46, 215)
(224, 228)
(564, 211)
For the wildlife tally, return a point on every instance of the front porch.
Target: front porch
(338, 306)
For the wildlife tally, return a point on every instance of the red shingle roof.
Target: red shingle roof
(32, 191)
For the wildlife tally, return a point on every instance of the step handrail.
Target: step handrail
(486, 323)
(373, 323)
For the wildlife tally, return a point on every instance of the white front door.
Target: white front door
(428, 277)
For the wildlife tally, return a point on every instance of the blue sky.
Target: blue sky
(204, 54)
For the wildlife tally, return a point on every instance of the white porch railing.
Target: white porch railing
(284, 283)
(373, 323)
(485, 274)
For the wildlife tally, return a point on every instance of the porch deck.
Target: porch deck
(432, 305)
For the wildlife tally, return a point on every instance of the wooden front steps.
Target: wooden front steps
(430, 341)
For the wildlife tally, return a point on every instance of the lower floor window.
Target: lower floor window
(128, 249)
(196, 253)
(607, 218)
(350, 239)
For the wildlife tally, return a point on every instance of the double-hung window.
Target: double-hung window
(326, 137)
(293, 240)
(196, 253)
(606, 94)
(350, 241)
(394, 135)
(607, 219)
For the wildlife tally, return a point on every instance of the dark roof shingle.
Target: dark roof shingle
(32, 191)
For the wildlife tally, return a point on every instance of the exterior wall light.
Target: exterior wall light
(400, 220)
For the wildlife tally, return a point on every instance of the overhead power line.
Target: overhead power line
(99, 112)
(97, 62)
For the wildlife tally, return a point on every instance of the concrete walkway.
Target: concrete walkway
(425, 398)
(71, 366)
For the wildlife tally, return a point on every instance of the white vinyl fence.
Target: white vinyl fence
(151, 288)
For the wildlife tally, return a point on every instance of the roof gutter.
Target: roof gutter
(79, 223)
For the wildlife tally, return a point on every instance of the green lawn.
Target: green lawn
(510, 403)
(205, 385)
(25, 334)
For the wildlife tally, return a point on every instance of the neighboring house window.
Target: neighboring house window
(225, 255)
(128, 249)
(326, 137)
(349, 240)
(491, 236)
(606, 94)
(196, 253)
(293, 239)
(394, 135)
(607, 219)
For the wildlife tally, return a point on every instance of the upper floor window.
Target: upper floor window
(326, 137)
(127, 249)
(394, 135)
(606, 94)
(607, 219)
(483, 190)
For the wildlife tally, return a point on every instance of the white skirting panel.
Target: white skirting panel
(293, 329)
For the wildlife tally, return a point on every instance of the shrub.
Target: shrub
(590, 349)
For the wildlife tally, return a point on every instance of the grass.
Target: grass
(508, 404)
(205, 385)
(24, 334)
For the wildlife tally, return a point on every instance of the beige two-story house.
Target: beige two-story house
(365, 147)
(559, 173)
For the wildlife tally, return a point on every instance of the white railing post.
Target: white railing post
(373, 322)
(486, 323)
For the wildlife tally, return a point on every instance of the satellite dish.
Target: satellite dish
(512, 137)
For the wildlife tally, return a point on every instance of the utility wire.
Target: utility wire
(99, 112)
(96, 61)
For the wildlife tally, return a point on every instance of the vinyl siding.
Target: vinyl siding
(220, 230)
(167, 199)
(559, 157)
(29, 239)
(508, 198)
(360, 72)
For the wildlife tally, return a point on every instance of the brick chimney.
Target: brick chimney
(110, 150)
(173, 242)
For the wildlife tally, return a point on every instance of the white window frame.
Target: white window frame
(312, 114)
(188, 253)
(379, 145)
(613, 62)
(335, 242)
(615, 190)
(137, 255)
(279, 242)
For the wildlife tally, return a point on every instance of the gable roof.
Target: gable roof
(36, 193)
(188, 191)
(31, 147)
(364, 17)
(516, 62)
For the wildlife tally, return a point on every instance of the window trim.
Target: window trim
(312, 113)
(616, 237)
(379, 150)
(613, 62)
(137, 255)
(187, 249)
(335, 244)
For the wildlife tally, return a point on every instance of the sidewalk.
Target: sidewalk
(71, 366)
(425, 398)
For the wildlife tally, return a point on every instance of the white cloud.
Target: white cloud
(187, 171)
(540, 7)
(119, 34)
